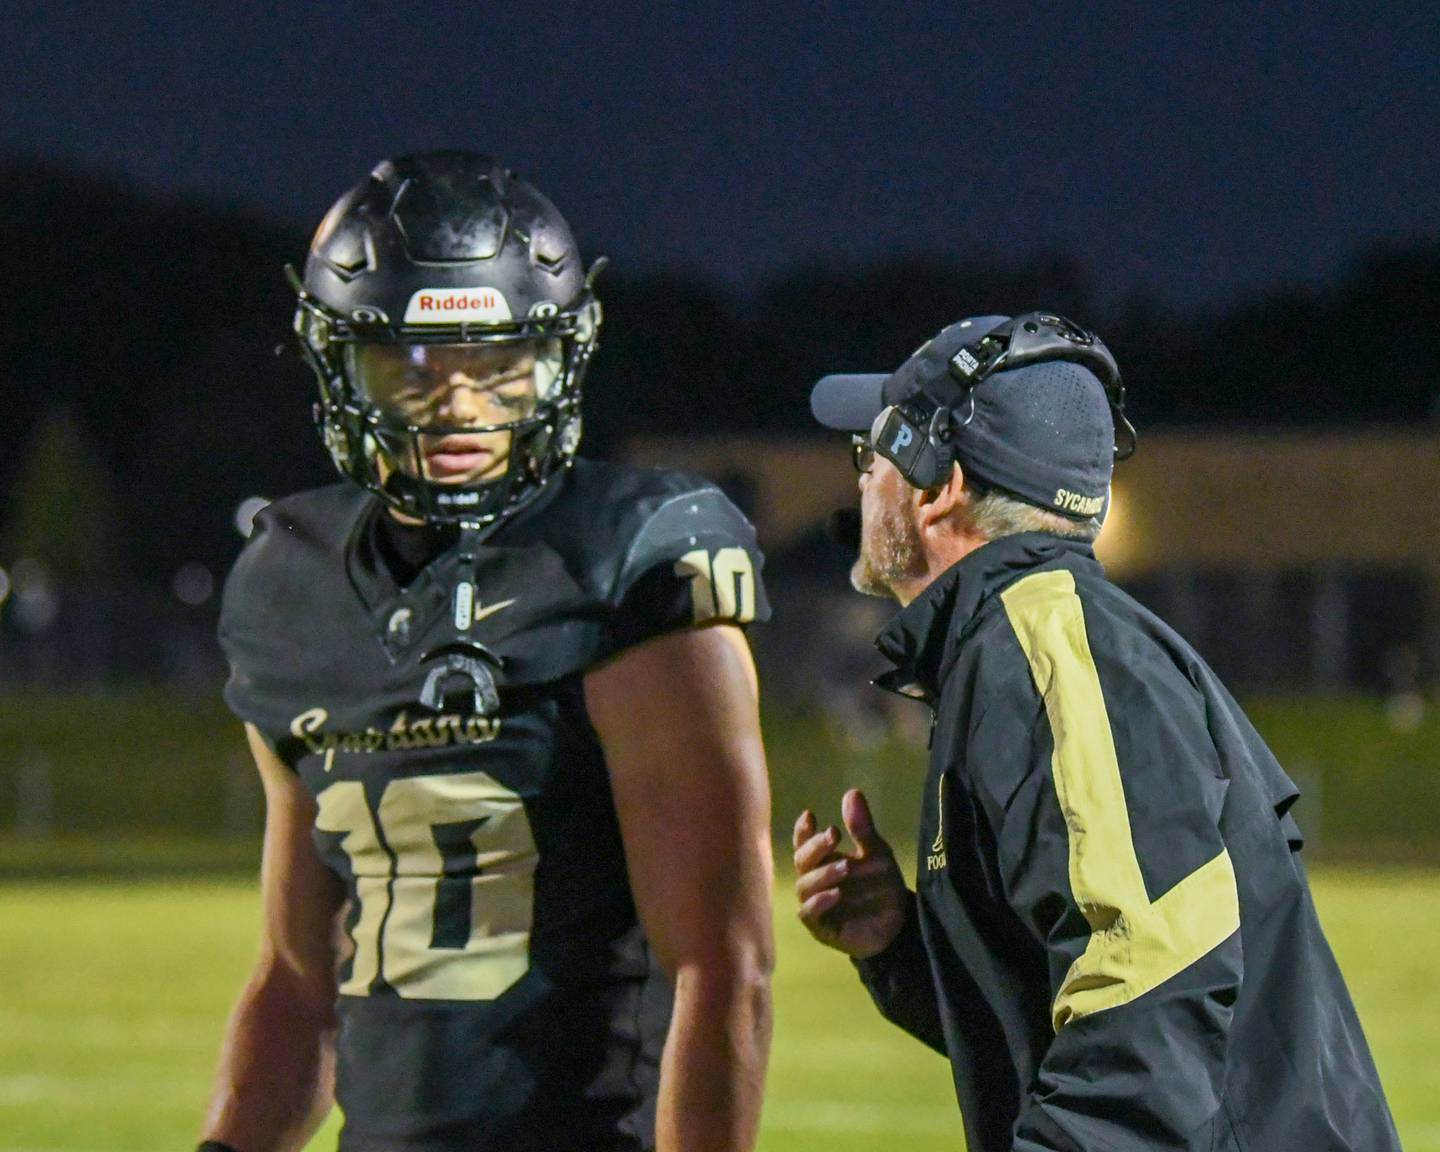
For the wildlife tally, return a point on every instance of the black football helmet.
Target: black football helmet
(445, 248)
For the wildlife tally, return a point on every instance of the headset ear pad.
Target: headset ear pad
(906, 441)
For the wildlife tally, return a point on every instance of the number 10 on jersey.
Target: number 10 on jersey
(722, 584)
(445, 882)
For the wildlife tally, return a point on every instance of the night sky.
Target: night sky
(1196, 153)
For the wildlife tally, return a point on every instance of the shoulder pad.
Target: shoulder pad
(701, 518)
(317, 521)
(659, 549)
(292, 556)
(693, 559)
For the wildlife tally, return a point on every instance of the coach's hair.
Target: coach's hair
(994, 514)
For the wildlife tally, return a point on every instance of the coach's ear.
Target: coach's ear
(935, 505)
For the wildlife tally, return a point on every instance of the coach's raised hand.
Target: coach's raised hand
(854, 902)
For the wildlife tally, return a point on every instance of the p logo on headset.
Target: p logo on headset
(919, 440)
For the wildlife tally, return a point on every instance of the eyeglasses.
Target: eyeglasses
(862, 453)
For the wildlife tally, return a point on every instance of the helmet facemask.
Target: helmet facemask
(382, 421)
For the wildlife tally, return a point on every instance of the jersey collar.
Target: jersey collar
(922, 637)
(400, 617)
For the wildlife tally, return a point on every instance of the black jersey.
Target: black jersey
(499, 993)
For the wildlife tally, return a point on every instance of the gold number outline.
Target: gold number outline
(722, 584)
(398, 889)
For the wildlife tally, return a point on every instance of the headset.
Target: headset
(920, 439)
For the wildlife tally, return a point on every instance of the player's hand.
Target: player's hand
(854, 902)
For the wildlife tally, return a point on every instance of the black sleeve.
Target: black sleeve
(255, 594)
(899, 980)
(243, 639)
(1107, 815)
(694, 561)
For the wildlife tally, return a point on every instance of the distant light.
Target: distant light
(30, 572)
(37, 603)
(245, 513)
(1405, 711)
(194, 584)
(1116, 544)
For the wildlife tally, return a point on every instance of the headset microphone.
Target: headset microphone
(843, 528)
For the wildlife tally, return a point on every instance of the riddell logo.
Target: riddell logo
(429, 303)
(452, 306)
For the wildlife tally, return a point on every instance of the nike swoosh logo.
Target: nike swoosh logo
(485, 610)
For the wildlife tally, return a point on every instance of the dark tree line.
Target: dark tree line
(154, 323)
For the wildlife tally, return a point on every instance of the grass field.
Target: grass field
(112, 997)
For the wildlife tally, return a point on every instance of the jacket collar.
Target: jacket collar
(921, 638)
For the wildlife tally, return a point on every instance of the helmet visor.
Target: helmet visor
(477, 385)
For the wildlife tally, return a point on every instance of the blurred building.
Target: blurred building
(1292, 560)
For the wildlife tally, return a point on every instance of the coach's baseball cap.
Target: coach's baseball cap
(1042, 432)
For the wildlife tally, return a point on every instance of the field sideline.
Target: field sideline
(114, 996)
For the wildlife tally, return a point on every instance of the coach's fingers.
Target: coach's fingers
(866, 868)
(815, 907)
(819, 879)
(868, 902)
(814, 851)
(855, 811)
(804, 828)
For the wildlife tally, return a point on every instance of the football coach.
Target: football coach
(1112, 939)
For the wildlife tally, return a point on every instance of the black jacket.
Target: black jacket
(1114, 940)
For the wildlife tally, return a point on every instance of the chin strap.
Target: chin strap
(463, 600)
(465, 657)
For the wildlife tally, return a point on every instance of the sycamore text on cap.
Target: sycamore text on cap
(1080, 505)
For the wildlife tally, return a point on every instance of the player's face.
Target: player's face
(462, 396)
(891, 551)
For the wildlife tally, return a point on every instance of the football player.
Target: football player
(516, 874)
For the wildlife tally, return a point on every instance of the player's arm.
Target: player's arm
(678, 719)
(1110, 851)
(275, 1080)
